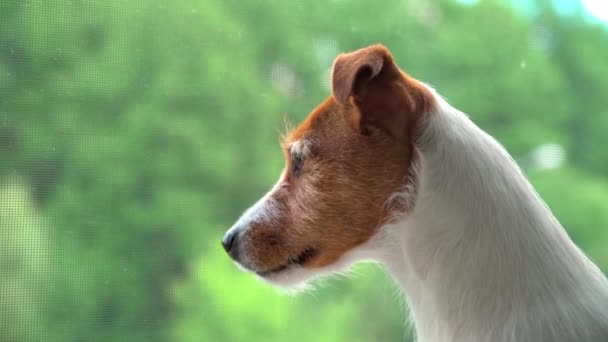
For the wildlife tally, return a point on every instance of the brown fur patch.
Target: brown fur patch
(361, 151)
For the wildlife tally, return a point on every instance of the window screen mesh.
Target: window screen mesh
(133, 133)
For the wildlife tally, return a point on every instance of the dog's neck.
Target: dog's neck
(480, 252)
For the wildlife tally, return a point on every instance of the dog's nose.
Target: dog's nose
(229, 240)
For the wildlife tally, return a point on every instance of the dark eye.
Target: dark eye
(296, 162)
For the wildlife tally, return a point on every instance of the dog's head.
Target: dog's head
(344, 164)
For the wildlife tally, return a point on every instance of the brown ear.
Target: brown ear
(386, 97)
(351, 69)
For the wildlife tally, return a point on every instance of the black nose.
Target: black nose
(229, 240)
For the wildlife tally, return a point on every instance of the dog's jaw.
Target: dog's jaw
(295, 279)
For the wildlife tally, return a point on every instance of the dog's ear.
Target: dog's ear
(386, 98)
(351, 71)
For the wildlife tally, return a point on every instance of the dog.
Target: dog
(386, 170)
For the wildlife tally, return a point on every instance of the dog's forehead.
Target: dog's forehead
(313, 122)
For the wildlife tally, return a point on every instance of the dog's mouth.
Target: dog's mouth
(298, 260)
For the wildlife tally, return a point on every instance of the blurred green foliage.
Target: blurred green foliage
(132, 134)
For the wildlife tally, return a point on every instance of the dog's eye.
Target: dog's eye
(296, 162)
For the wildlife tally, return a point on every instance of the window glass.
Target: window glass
(133, 133)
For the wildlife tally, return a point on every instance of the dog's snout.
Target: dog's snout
(229, 241)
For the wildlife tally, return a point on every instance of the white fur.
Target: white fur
(300, 147)
(481, 257)
(263, 209)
